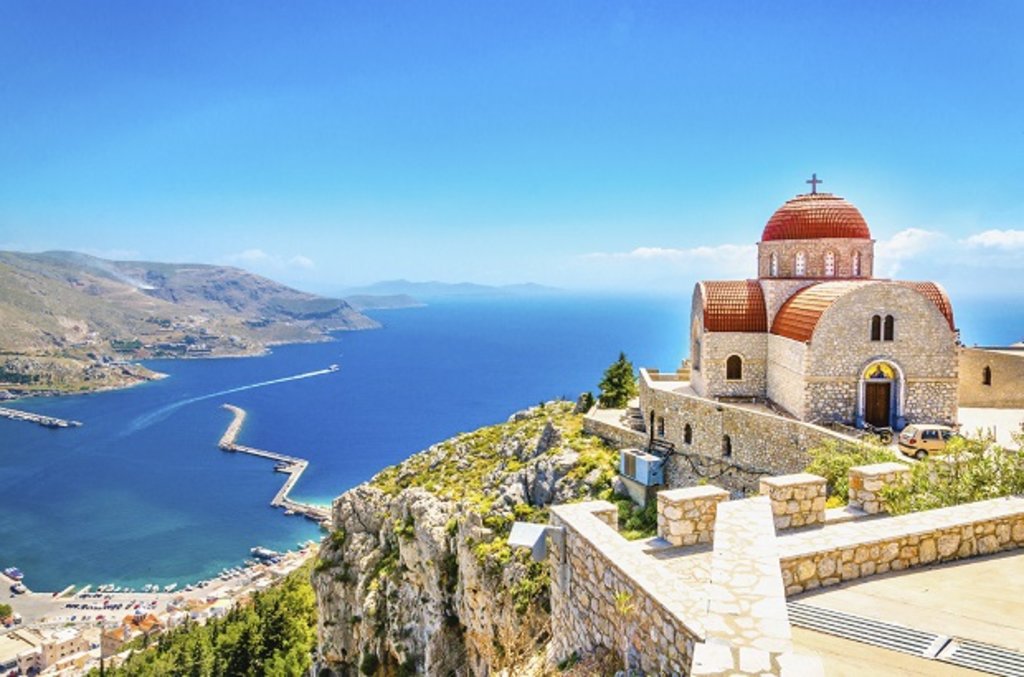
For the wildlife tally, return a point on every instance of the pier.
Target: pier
(289, 465)
(47, 421)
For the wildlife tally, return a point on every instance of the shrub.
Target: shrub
(618, 384)
(833, 460)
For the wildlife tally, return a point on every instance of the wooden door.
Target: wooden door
(876, 403)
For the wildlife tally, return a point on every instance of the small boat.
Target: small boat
(334, 367)
(171, 587)
(14, 573)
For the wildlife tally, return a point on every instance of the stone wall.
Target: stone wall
(617, 434)
(777, 291)
(687, 516)
(845, 552)
(752, 349)
(760, 441)
(867, 482)
(605, 594)
(785, 384)
(797, 500)
(1006, 366)
(924, 350)
(843, 249)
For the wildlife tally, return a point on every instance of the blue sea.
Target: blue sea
(141, 493)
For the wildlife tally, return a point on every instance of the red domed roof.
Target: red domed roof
(733, 306)
(814, 216)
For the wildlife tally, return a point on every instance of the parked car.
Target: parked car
(919, 440)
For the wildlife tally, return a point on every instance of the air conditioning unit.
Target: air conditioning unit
(641, 467)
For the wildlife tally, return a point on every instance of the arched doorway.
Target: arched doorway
(880, 394)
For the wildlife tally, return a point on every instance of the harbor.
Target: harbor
(289, 465)
(45, 421)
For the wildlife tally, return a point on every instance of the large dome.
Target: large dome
(814, 216)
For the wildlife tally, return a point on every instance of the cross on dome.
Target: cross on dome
(814, 181)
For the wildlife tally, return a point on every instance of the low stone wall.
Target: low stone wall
(845, 552)
(606, 595)
(797, 500)
(687, 516)
(618, 435)
(867, 482)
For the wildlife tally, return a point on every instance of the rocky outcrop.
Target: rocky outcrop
(418, 576)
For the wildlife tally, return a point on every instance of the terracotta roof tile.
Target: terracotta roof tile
(936, 295)
(814, 216)
(799, 315)
(734, 306)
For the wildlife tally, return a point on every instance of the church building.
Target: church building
(817, 336)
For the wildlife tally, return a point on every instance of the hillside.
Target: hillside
(418, 577)
(70, 321)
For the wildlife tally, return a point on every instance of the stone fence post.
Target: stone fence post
(687, 516)
(797, 500)
(867, 481)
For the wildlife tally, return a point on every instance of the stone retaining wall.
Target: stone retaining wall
(607, 594)
(845, 552)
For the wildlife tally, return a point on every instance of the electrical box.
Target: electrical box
(641, 467)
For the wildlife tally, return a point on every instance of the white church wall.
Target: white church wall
(785, 378)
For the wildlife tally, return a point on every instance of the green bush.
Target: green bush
(833, 460)
(970, 470)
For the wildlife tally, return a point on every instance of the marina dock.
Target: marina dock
(47, 421)
(289, 465)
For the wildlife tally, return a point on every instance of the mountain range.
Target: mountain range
(70, 321)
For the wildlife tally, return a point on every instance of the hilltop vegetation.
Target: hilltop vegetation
(419, 575)
(69, 321)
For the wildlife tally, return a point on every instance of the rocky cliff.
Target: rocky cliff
(418, 576)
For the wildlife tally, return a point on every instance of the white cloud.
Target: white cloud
(997, 239)
(261, 259)
(907, 244)
(729, 255)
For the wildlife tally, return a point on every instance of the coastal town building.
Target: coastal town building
(39, 650)
(132, 626)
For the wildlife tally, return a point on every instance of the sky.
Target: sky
(593, 145)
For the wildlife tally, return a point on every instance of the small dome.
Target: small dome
(814, 216)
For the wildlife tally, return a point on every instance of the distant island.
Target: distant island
(70, 322)
(439, 290)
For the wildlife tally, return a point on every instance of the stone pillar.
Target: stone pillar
(867, 481)
(797, 500)
(687, 516)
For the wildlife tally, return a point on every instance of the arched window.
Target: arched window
(726, 446)
(876, 328)
(687, 434)
(696, 355)
(855, 268)
(800, 269)
(889, 322)
(661, 426)
(986, 376)
(830, 264)
(734, 368)
(774, 265)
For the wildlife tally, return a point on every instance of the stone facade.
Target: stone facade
(797, 500)
(867, 482)
(687, 516)
(1001, 386)
(752, 349)
(759, 441)
(814, 252)
(604, 594)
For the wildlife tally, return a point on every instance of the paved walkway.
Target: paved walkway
(1004, 421)
(976, 599)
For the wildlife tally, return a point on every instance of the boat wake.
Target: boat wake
(144, 421)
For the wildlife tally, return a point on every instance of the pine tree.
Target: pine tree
(618, 384)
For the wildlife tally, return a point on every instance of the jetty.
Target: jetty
(47, 421)
(289, 465)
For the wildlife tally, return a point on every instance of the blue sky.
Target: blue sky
(592, 145)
